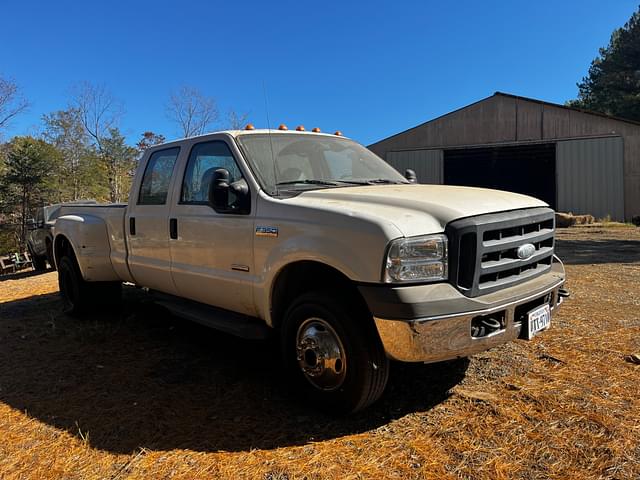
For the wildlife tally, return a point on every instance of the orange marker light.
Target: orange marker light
(338, 133)
(316, 130)
(249, 127)
(282, 127)
(300, 128)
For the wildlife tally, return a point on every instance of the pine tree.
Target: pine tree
(27, 171)
(612, 85)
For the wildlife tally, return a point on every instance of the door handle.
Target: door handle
(132, 226)
(173, 228)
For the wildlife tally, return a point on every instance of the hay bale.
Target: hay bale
(584, 219)
(565, 220)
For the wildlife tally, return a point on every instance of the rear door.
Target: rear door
(147, 223)
(211, 252)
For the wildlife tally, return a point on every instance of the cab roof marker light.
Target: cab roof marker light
(338, 133)
(282, 127)
(300, 128)
(249, 126)
(316, 130)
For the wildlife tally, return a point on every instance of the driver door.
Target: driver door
(211, 252)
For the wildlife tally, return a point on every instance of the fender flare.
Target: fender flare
(88, 237)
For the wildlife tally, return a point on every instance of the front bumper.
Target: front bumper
(432, 323)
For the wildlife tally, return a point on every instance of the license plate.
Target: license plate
(538, 320)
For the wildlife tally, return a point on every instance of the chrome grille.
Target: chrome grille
(483, 252)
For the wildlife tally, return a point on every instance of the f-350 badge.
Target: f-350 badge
(266, 231)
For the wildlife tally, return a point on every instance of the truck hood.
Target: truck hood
(415, 209)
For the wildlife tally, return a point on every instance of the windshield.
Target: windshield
(302, 162)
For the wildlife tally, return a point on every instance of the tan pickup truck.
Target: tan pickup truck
(315, 239)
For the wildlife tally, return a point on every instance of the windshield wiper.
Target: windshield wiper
(384, 180)
(309, 181)
(337, 183)
(372, 182)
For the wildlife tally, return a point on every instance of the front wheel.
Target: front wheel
(333, 353)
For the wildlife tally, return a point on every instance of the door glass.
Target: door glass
(204, 160)
(157, 177)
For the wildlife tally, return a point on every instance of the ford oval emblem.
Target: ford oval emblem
(526, 251)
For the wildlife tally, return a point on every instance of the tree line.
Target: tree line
(80, 152)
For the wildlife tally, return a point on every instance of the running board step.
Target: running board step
(232, 323)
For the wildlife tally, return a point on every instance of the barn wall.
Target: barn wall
(426, 163)
(598, 188)
(505, 119)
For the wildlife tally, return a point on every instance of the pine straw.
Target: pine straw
(141, 395)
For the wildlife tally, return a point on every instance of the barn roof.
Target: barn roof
(516, 97)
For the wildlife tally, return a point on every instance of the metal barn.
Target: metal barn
(577, 161)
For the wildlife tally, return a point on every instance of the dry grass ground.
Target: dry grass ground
(139, 394)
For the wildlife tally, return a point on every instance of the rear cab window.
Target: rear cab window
(157, 177)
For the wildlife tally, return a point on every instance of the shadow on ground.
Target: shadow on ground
(583, 252)
(142, 378)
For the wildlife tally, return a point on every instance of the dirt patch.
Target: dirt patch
(137, 393)
(597, 243)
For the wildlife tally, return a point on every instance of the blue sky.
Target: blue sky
(370, 69)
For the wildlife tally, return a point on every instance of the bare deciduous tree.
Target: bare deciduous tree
(12, 102)
(99, 112)
(64, 130)
(236, 121)
(193, 112)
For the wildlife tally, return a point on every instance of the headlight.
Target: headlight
(417, 259)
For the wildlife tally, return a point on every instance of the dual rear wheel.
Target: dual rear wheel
(78, 295)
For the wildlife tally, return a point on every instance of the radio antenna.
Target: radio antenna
(273, 157)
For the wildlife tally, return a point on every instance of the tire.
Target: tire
(39, 263)
(50, 260)
(333, 353)
(78, 295)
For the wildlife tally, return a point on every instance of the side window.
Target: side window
(205, 159)
(157, 177)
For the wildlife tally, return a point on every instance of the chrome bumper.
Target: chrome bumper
(448, 336)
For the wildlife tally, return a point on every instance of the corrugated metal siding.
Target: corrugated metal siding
(590, 178)
(506, 119)
(426, 163)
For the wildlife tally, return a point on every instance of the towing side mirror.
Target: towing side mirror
(219, 189)
(411, 175)
(228, 197)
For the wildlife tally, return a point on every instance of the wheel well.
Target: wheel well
(62, 246)
(306, 276)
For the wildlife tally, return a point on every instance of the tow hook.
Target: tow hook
(485, 325)
(563, 293)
